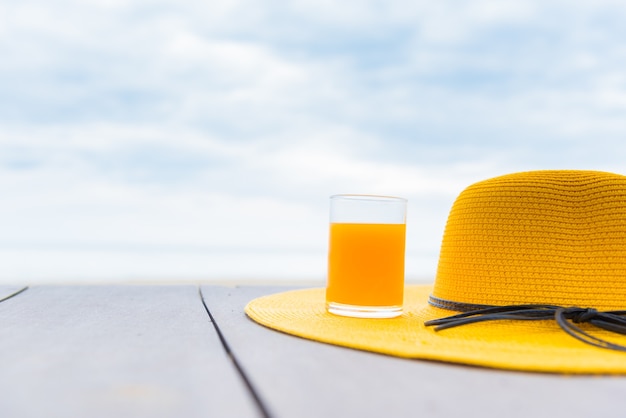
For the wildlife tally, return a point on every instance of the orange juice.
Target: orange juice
(366, 264)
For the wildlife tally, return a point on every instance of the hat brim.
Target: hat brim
(539, 346)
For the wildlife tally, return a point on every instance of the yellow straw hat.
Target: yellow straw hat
(531, 276)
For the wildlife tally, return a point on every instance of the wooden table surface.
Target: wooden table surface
(190, 351)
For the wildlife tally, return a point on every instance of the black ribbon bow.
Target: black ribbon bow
(613, 321)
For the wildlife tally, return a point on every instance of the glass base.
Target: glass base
(356, 311)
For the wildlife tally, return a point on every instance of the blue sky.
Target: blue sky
(188, 140)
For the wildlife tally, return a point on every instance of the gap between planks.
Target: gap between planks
(17, 292)
(253, 392)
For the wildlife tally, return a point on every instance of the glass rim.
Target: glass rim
(369, 197)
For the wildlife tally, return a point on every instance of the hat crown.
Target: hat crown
(550, 237)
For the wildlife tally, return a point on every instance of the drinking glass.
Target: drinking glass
(366, 256)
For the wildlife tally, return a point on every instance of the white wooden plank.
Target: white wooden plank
(114, 351)
(295, 377)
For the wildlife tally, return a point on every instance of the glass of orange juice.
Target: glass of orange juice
(366, 256)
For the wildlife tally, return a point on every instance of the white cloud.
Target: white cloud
(206, 125)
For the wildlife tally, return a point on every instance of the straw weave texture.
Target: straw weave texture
(539, 346)
(556, 237)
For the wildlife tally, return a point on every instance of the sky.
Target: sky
(194, 140)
